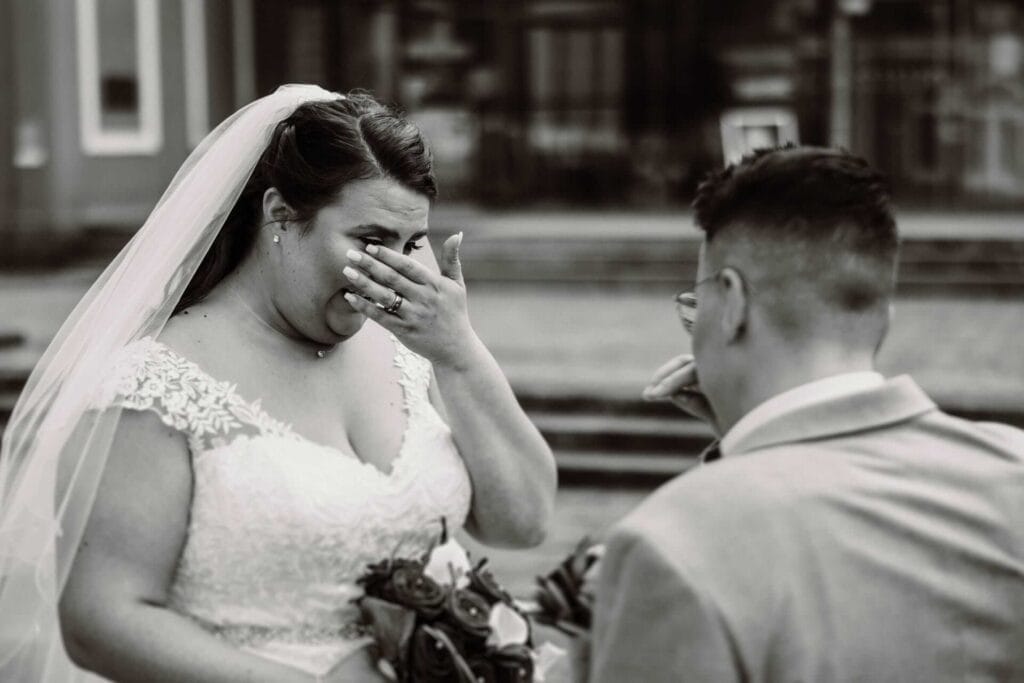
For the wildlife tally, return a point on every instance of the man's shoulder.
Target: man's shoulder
(763, 498)
(743, 481)
(787, 483)
(695, 507)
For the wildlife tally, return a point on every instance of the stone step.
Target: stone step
(612, 468)
(625, 434)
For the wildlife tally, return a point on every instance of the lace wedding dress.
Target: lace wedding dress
(280, 527)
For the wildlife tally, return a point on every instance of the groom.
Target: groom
(844, 529)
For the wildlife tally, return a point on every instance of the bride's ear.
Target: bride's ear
(276, 209)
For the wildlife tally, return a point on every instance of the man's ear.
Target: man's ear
(735, 308)
(276, 209)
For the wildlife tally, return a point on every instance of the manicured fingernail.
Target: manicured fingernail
(372, 248)
(353, 255)
(351, 273)
(459, 242)
(350, 297)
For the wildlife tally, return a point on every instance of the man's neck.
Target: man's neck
(770, 376)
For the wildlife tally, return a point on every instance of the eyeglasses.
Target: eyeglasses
(686, 302)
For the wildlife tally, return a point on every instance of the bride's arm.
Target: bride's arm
(509, 463)
(113, 611)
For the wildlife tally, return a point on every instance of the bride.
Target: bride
(218, 441)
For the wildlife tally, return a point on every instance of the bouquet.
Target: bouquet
(440, 618)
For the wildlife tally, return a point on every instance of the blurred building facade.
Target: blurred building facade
(577, 102)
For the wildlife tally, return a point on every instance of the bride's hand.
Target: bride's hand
(676, 381)
(432, 317)
(359, 667)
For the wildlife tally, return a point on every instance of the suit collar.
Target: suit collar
(897, 400)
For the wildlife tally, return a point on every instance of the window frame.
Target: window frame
(148, 138)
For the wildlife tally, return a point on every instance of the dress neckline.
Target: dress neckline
(286, 427)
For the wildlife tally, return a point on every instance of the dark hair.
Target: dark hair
(822, 215)
(311, 156)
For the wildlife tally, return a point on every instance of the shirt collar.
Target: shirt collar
(818, 391)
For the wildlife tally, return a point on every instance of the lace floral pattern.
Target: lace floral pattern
(280, 527)
(150, 377)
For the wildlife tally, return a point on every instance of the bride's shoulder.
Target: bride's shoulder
(165, 372)
(179, 350)
(194, 334)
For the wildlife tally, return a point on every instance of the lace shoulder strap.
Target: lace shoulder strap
(148, 376)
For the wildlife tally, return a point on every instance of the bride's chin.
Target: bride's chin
(348, 330)
(343, 321)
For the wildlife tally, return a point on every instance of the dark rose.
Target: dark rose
(555, 604)
(376, 581)
(411, 588)
(469, 612)
(564, 595)
(513, 664)
(483, 670)
(433, 656)
(483, 583)
(376, 578)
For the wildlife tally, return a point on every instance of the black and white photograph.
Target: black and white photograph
(512, 341)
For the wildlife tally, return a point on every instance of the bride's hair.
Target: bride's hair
(312, 155)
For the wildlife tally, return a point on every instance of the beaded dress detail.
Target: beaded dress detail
(280, 526)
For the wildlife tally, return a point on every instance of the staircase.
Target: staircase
(616, 442)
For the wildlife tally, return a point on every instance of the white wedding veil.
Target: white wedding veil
(56, 445)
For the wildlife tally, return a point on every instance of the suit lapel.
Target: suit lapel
(897, 400)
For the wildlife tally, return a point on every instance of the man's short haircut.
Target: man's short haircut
(813, 218)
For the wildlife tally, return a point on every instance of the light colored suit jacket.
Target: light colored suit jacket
(869, 538)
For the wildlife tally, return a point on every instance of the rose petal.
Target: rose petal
(545, 658)
(387, 670)
(392, 626)
(507, 627)
(447, 560)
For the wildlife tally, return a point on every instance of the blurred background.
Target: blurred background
(569, 136)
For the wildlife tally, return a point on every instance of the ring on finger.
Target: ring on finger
(396, 303)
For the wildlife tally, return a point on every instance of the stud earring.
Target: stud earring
(277, 239)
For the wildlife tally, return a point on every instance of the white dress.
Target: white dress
(280, 527)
